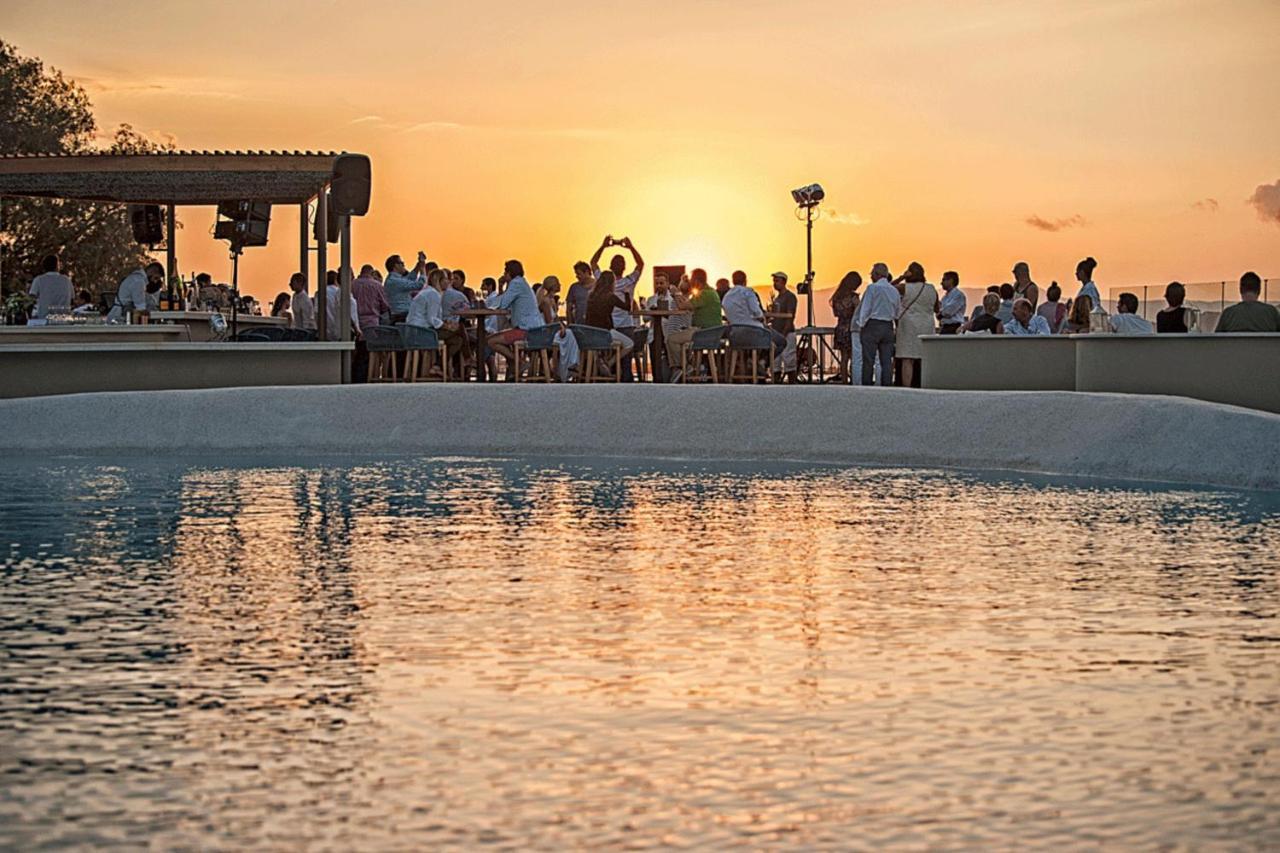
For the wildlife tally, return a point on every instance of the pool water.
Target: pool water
(532, 654)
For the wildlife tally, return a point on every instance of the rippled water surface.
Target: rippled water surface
(413, 653)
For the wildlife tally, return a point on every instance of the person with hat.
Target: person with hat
(783, 321)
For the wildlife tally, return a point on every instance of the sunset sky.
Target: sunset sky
(964, 135)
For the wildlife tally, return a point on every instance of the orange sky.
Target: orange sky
(505, 128)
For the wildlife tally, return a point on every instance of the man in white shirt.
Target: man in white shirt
(52, 290)
(301, 306)
(1126, 320)
(876, 315)
(741, 307)
(951, 308)
(333, 322)
(1025, 321)
(624, 286)
(132, 293)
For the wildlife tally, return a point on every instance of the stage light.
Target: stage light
(808, 196)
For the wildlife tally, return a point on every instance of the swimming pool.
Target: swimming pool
(413, 652)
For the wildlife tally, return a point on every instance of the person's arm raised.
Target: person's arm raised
(635, 256)
(595, 259)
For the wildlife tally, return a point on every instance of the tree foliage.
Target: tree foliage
(44, 113)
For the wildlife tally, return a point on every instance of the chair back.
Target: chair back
(382, 338)
(749, 337)
(592, 338)
(298, 335)
(543, 337)
(641, 337)
(259, 336)
(273, 333)
(413, 337)
(708, 338)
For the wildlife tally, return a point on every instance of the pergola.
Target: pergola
(196, 178)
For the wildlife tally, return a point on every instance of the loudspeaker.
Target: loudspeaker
(245, 211)
(330, 229)
(242, 233)
(349, 189)
(147, 222)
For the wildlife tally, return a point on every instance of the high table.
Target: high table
(482, 350)
(657, 344)
(825, 336)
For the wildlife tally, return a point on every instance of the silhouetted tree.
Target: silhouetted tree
(44, 113)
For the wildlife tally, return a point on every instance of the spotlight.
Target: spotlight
(808, 196)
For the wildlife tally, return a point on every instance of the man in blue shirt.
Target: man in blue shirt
(401, 285)
(520, 300)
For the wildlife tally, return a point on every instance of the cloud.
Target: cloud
(184, 87)
(432, 125)
(1266, 200)
(1075, 221)
(366, 120)
(1206, 205)
(839, 218)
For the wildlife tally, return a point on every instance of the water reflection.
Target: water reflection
(411, 652)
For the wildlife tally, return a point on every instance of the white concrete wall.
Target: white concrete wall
(1241, 370)
(28, 370)
(1095, 435)
(999, 363)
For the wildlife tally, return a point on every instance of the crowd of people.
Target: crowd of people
(878, 331)
(878, 328)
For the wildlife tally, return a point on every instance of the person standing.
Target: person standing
(624, 286)
(575, 300)
(784, 305)
(401, 285)
(1250, 314)
(370, 297)
(52, 291)
(1023, 286)
(332, 302)
(951, 308)
(132, 293)
(876, 315)
(844, 303)
(302, 308)
(1084, 275)
(915, 319)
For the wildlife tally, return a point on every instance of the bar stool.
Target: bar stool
(426, 350)
(540, 345)
(383, 344)
(748, 343)
(591, 342)
(706, 346)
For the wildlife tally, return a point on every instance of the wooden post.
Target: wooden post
(322, 264)
(344, 296)
(304, 246)
(171, 250)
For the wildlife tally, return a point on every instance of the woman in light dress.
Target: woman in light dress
(919, 304)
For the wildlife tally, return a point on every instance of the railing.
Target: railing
(1208, 297)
